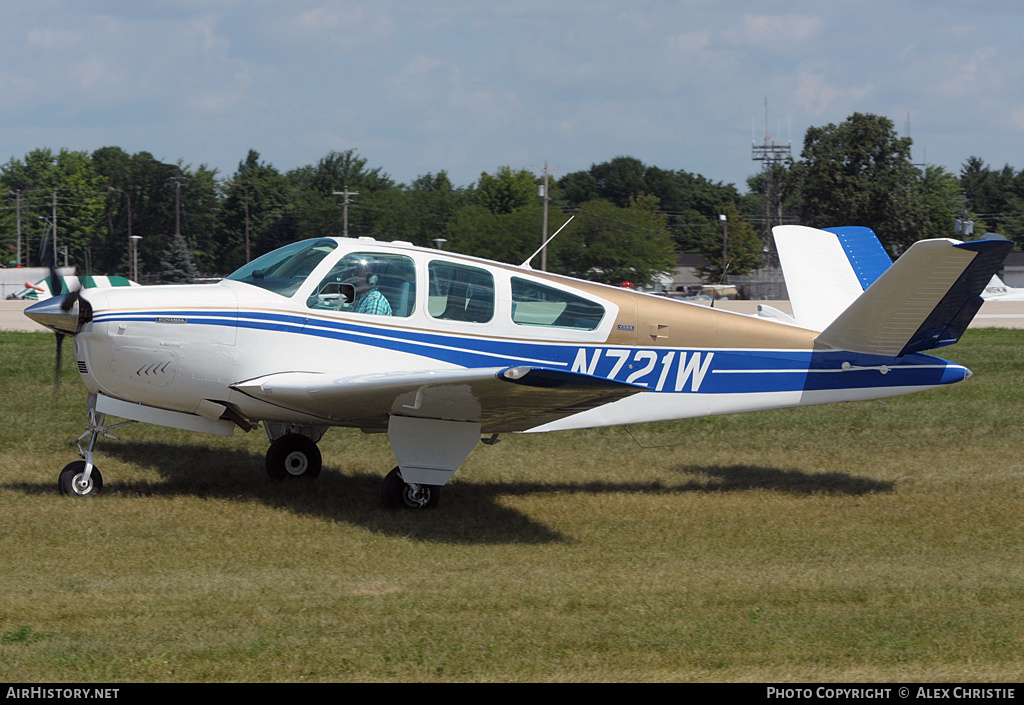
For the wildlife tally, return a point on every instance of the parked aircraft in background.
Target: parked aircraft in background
(41, 289)
(438, 350)
(998, 291)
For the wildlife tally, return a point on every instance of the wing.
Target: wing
(501, 399)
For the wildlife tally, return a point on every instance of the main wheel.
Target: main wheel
(396, 493)
(293, 455)
(72, 480)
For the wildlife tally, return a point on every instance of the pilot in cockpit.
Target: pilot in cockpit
(368, 299)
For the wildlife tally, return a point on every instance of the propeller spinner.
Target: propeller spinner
(64, 314)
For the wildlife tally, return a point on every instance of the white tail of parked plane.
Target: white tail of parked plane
(997, 290)
(842, 282)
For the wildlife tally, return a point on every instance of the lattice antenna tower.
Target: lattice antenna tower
(771, 154)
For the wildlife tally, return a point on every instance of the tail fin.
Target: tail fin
(925, 300)
(826, 270)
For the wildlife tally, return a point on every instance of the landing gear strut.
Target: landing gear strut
(396, 493)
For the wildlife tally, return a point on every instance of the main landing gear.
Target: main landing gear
(396, 493)
(294, 455)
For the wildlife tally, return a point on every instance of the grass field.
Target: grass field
(855, 542)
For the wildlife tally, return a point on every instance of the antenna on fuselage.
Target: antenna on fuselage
(721, 281)
(530, 258)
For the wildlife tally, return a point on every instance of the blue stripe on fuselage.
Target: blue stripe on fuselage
(659, 369)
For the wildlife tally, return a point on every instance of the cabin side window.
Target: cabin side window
(372, 283)
(535, 304)
(460, 293)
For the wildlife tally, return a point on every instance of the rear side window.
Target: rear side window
(460, 293)
(535, 304)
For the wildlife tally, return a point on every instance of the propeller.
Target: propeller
(67, 302)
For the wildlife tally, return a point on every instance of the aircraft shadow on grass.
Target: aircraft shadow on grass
(471, 512)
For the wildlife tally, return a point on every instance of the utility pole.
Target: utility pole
(544, 224)
(344, 218)
(131, 269)
(55, 228)
(17, 197)
(725, 245)
(177, 204)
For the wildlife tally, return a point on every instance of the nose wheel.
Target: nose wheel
(76, 482)
(293, 455)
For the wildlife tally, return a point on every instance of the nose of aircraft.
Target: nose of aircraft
(61, 314)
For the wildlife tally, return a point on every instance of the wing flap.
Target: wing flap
(501, 399)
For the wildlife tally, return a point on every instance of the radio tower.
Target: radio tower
(771, 154)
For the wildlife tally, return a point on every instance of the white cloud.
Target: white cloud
(472, 85)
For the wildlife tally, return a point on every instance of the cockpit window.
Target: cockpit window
(534, 304)
(283, 270)
(373, 283)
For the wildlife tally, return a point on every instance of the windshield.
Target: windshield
(283, 271)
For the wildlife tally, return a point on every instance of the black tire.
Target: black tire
(395, 493)
(68, 480)
(293, 455)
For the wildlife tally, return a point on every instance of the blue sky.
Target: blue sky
(467, 86)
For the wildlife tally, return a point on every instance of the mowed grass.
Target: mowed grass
(853, 542)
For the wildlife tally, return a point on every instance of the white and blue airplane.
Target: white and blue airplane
(440, 350)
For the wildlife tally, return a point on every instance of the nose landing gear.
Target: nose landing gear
(81, 478)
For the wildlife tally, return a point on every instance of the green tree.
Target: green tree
(160, 198)
(65, 182)
(938, 192)
(255, 198)
(859, 173)
(506, 191)
(340, 170)
(177, 265)
(993, 198)
(687, 200)
(200, 214)
(419, 213)
(503, 237)
(319, 201)
(738, 238)
(612, 245)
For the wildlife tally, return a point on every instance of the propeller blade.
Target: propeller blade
(56, 368)
(55, 285)
(66, 304)
(71, 299)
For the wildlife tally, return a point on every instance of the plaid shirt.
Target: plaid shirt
(373, 302)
